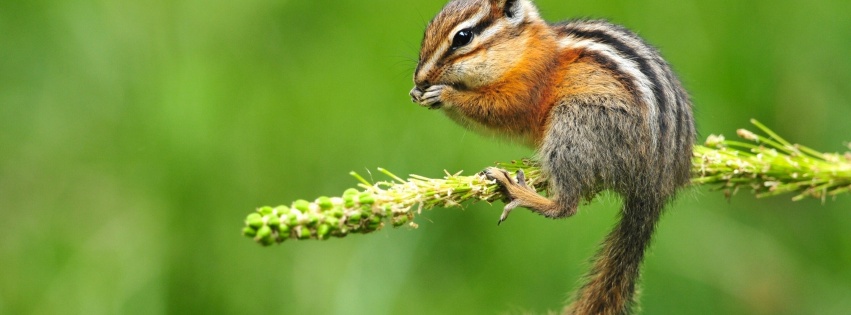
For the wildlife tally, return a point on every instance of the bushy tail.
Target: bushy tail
(611, 284)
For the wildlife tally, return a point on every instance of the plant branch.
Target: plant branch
(768, 165)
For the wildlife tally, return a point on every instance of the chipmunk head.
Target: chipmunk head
(472, 43)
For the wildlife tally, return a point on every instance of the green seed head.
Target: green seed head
(263, 233)
(284, 232)
(332, 221)
(254, 220)
(280, 210)
(249, 231)
(351, 192)
(366, 198)
(292, 218)
(267, 241)
(355, 217)
(324, 203)
(400, 220)
(265, 210)
(373, 225)
(312, 219)
(349, 202)
(304, 233)
(273, 221)
(322, 231)
(302, 205)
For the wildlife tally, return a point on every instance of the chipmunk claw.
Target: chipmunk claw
(507, 210)
(503, 178)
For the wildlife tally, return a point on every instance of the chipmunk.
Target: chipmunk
(600, 106)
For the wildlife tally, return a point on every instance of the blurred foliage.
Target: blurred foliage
(135, 135)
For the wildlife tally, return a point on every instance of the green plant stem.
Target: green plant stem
(768, 165)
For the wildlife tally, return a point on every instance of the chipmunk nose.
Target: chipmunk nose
(422, 85)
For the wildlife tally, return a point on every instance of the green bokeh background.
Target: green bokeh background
(136, 135)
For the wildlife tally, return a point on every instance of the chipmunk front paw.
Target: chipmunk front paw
(512, 189)
(431, 97)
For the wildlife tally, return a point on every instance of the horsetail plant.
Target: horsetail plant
(768, 165)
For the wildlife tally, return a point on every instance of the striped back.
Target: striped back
(649, 78)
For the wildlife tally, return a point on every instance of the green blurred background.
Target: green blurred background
(136, 135)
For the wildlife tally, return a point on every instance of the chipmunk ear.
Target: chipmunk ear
(511, 9)
(517, 11)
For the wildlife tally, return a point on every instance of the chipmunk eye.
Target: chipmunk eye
(462, 38)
